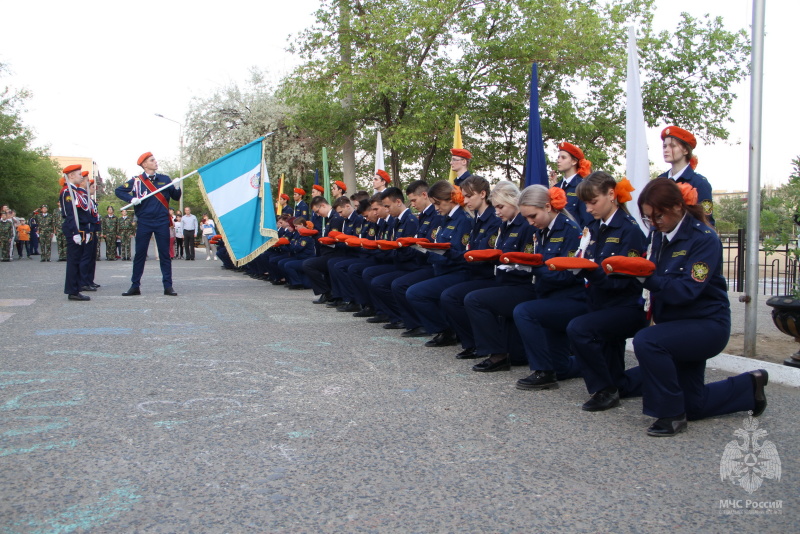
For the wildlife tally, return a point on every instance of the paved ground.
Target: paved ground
(239, 406)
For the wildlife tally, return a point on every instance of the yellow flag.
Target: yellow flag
(278, 208)
(456, 144)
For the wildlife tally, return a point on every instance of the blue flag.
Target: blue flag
(235, 187)
(535, 167)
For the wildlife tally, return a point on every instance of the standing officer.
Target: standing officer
(46, 223)
(6, 235)
(153, 219)
(75, 211)
(127, 227)
(381, 181)
(300, 206)
(459, 164)
(575, 168)
(110, 231)
(61, 239)
(89, 257)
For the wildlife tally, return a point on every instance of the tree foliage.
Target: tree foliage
(415, 64)
(28, 177)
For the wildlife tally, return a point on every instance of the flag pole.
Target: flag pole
(173, 182)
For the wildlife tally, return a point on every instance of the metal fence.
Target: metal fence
(777, 272)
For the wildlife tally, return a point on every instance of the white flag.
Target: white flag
(637, 166)
(379, 154)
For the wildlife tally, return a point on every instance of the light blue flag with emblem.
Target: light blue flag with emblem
(236, 188)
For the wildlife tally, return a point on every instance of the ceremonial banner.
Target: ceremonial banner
(535, 166)
(637, 164)
(278, 208)
(379, 165)
(457, 143)
(237, 189)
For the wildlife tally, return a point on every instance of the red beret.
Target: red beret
(435, 246)
(387, 245)
(334, 233)
(571, 149)
(341, 184)
(679, 133)
(461, 153)
(327, 240)
(489, 254)
(385, 175)
(369, 244)
(353, 242)
(630, 266)
(564, 263)
(284, 196)
(411, 241)
(299, 191)
(306, 232)
(318, 188)
(71, 168)
(522, 257)
(143, 157)
(282, 241)
(84, 173)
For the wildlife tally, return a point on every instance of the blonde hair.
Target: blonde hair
(505, 193)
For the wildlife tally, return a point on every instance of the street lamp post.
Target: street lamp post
(180, 156)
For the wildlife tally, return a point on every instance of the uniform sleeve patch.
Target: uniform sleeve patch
(529, 248)
(465, 239)
(633, 253)
(492, 240)
(612, 240)
(679, 253)
(708, 206)
(699, 272)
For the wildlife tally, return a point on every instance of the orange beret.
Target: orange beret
(385, 175)
(143, 157)
(341, 184)
(353, 242)
(342, 238)
(679, 133)
(522, 257)
(327, 240)
(564, 263)
(461, 153)
(435, 246)
(306, 232)
(284, 196)
(489, 254)
(411, 241)
(629, 266)
(282, 241)
(384, 244)
(214, 240)
(84, 173)
(571, 149)
(318, 188)
(299, 191)
(334, 233)
(369, 244)
(71, 168)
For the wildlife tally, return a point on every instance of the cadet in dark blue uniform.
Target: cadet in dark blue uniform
(301, 247)
(616, 313)
(74, 200)
(317, 268)
(450, 268)
(90, 249)
(574, 168)
(152, 219)
(508, 237)
(691, 311)
(283, 200)
(353, 222)
(678, 145)
(317, 220)
(459, 164)
(300, 206)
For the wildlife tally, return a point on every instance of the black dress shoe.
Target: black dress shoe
(132, 291)
(667, 426)
(379, 318)
(760, 378)
(367, 311)
(350, 307)
(602, 400)
(539, 380)
(169, 291)
(88, 288)
(488, 366)
(78, 296)
(442, 339)
(334, 303)
(416, 332)
(325, 297)
(94, 285)
(295, 286)
(467, 354)
(394, 326)
(278, 282)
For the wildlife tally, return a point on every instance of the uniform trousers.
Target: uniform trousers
(672, 357)
(452, 303)
(491, 317)
(379, 280)
(143, 234)
(317, 271)
(273, 266)
(399, 289)
(72, 279)
(355, 275)
(598, 342)
(295, 274)
(424, 300)
(341, 280)
(89, 261)
(544, 324)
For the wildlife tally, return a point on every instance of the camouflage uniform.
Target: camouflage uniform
(46, 222)
(61, 240)
(110, 233)
(6, 237)
(126, 229)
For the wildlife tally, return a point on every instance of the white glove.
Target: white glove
(77, 239)
(88, 237)
(177, 185)
(136, 201)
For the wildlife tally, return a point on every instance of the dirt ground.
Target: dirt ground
(769, 347)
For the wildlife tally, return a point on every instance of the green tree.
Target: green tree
(28, 177)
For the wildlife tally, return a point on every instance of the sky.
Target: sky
(99, 71)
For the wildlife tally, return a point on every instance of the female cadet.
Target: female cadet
(508, 238)
(690, 308)
(574, 168)
(560, 295)
(449, 266)
(475, 190)
(598, 338)
(491, 310)
(678, 145)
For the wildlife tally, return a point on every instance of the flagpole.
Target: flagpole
(173, 182)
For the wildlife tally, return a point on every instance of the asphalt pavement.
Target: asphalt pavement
(239, 406)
